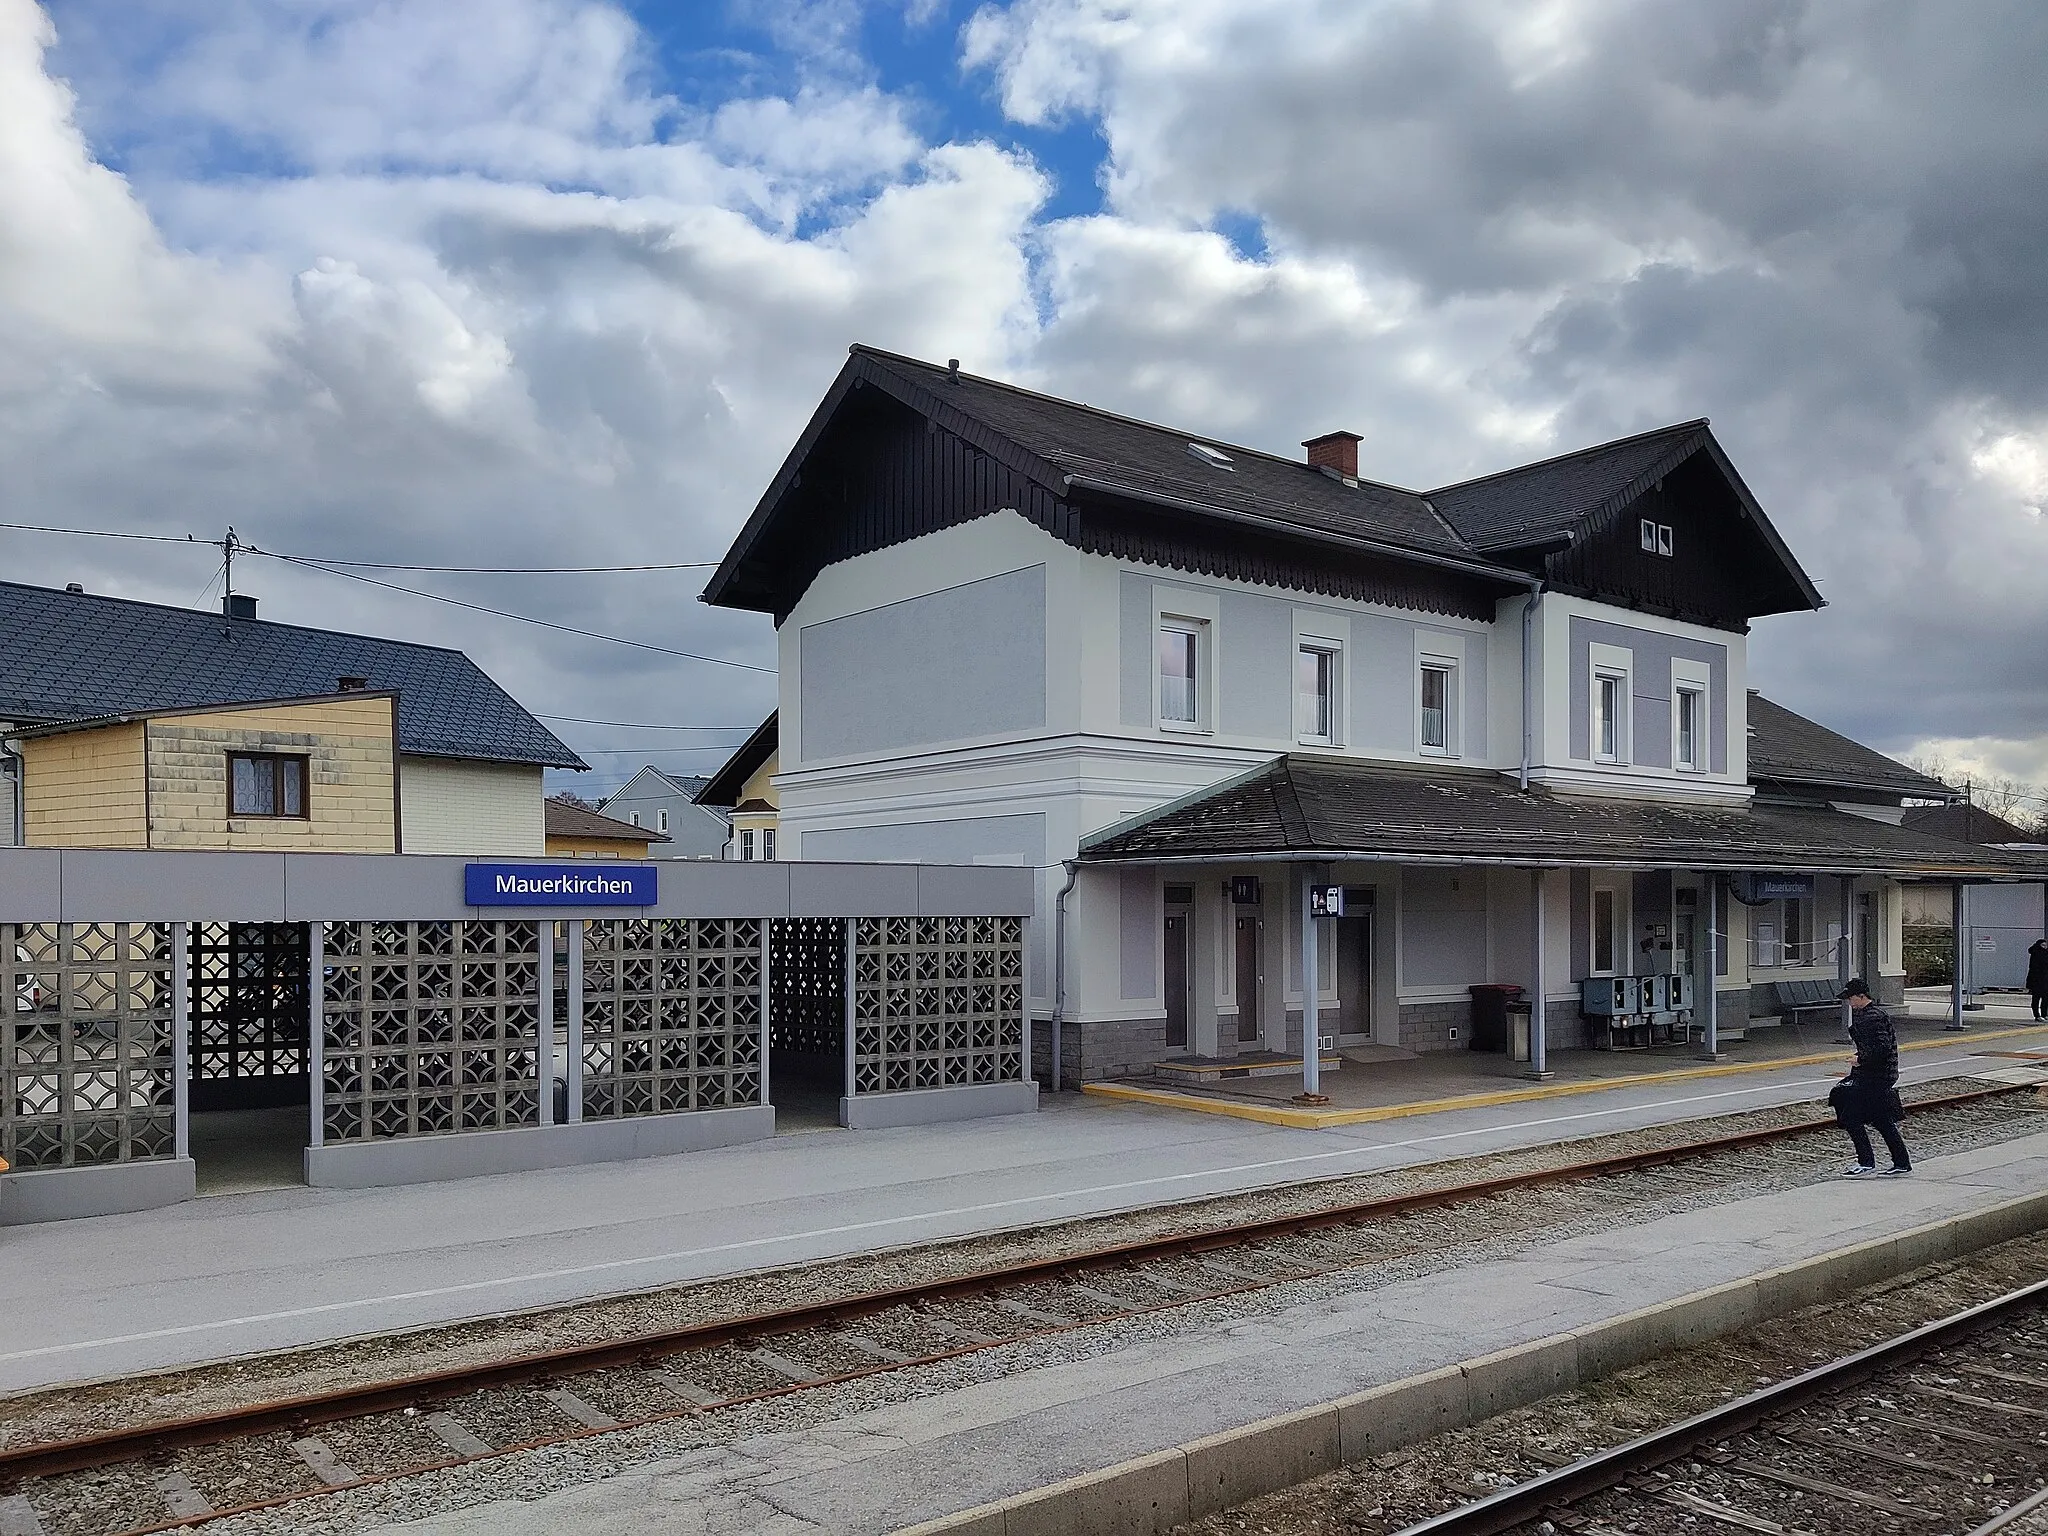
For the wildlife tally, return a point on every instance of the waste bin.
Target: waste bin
(1520, 1013)
(1490, 1001)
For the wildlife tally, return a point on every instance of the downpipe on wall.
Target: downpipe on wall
(1528, 682)
(1059, 973)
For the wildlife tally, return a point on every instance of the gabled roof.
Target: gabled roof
(73, 655)
(1968, 823)
(723, 787)
(661, 783)
(1164, 496)
(133, 716)
(1515, 508)
(565, 820)
(1310, 807)
(1785, 748)
(1144, 460)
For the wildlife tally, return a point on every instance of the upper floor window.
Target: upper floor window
(633, 817)
(768, 843)
(1438, 694)
(1180, 672)
(1610, 731)
(747, 844)
(1690, 718)
(266, 784)
(661, 821)
(1656, 537)
(1315, 689)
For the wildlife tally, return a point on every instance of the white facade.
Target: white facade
(460, 805)
(990, 693)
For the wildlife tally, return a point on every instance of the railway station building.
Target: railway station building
(1504, 725)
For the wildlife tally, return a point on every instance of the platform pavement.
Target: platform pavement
(240, 1274)
(896, 1466)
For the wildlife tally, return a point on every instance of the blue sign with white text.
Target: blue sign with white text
(558, 885)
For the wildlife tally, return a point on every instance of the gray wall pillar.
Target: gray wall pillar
(1539, 1049)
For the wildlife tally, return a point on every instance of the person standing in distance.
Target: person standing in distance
(1869, 1095)
(2037, 976)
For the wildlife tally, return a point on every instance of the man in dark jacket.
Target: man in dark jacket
(1869, 1095)
(2037, 976)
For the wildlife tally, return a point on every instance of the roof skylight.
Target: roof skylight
(1215, 458)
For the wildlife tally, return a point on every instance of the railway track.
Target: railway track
(1943, 1429)
(176, 1474)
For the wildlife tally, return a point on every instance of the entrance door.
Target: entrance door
(1247, 978)
(1351, 941)
(1177, 976)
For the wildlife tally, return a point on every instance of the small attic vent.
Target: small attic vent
(1215, 458)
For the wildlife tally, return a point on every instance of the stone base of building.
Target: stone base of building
(934, 1106)
(471, 1154)
(104, 1189)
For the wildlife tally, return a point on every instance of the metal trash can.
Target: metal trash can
(1489, 1014)
(1521, 1013)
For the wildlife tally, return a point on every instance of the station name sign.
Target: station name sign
(558, 885)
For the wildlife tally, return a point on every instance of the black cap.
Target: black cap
(1855, 986)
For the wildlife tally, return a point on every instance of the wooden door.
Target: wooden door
(1247, 977)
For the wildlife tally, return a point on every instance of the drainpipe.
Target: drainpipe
(1528, 681)
(1059, 972)
(11, 769)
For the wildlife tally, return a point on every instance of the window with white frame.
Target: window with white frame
(768, 843)
(661, 821)
(634, 817)
(1180, 672)
(1438, 692)
(747, 844)
(1689, 725)
(1610, 727)
(1315, 692)
(1606, 945)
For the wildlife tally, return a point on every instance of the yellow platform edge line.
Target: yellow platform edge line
(1323, 1119)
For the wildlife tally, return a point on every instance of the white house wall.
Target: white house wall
(454, 805)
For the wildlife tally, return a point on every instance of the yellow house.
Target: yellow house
(745, 787)
(313, 774)
(577, 832)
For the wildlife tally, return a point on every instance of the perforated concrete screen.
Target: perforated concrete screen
(85, 1043)
(430, 1028)
(938, 1002)
(671, 1015)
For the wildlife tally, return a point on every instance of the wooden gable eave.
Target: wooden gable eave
(1753, 510)
(744, 579)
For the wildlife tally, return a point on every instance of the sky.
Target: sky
(555, 282)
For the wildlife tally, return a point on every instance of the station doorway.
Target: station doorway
(1349, 958)
(250, 1089)
(807, 1046)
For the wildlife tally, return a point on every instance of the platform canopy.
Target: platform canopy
(1315, 809)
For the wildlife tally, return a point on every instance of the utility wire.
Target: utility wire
(641, 725)
(502, 613)
(378, 565)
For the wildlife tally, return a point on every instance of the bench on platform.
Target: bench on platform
(1796, 997)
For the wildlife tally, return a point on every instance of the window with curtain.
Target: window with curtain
(1436, 706)
(1180, 653)
(266, 784)
(1315, 687)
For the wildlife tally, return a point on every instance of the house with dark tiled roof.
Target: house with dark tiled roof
(743, 790)
(137, 725)
(668, 803)
(1303, 757)
(578, 832)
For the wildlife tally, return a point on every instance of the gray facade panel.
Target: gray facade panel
(1255, 666)
(1135, 659)
(836, 890)
(945, 890)
(936, 1106)
(1138, 928)
(1382, 663)
(424, 1159)
(965, 662)
(1650, 726)
(163, 886)
(2011, 918)
(1443, 927)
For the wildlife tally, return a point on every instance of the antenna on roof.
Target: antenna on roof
(952, 370)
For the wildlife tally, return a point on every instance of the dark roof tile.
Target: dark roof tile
(1785, 748)
(72, 655)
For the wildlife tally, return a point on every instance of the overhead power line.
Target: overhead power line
(232, 546)
(378, 565)
(506, 613)
(642, 725)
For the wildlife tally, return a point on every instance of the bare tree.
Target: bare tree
(2019, 801)
(570, 797)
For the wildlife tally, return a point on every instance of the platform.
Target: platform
(240, 1273)
(895, 1466)
(1374, 1083)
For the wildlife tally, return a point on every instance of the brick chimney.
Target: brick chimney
(1335, 450)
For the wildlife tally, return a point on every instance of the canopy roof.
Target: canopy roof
(1308, 808)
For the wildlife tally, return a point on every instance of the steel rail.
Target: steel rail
(298, 1414)
(1531, 1501)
